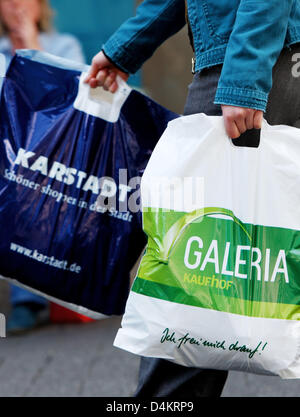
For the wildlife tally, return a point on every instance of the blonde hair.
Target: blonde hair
(44, 24)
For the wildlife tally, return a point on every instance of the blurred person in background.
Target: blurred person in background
(27, 24)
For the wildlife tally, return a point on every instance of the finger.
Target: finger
(232, 129)
(93, 83)
(110, 79)
(241, 124)
(257, 120)
(23, 14)
(250, 120)
(95, 68)
(87, 78)
(97, 81)
(101, 77)
(21, 17)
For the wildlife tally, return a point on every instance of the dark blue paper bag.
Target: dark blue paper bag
(71, 159)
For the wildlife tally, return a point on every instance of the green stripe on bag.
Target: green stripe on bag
(217, 302)
(209, 255)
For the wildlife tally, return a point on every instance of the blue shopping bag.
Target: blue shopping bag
(71, 159)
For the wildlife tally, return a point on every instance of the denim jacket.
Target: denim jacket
(246, 36)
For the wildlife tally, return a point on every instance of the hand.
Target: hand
(24, 34)
(239, 119)
(103, 73)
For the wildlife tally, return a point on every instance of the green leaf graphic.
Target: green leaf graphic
(177, 229)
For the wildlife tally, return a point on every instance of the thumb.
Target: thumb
(92, 72)
(258, 119)
(99, 62)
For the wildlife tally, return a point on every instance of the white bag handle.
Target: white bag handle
(265, 126)
(100, 103)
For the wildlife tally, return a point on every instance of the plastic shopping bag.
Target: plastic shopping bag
(70, 163)
(219, 284)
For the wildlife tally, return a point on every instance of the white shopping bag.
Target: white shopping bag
(219, 284)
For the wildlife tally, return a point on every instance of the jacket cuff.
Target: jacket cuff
(240, 97)
(120, 56)
(112, 62)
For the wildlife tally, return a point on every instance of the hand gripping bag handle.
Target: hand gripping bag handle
(100, 103)
(249, 139)
(96, 102)
(252, 138)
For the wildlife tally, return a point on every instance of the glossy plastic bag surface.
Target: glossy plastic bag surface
(70, 164)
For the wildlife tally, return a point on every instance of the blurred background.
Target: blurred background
(78, 359)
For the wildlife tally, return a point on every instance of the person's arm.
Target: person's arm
(136, 40)
(254, 46)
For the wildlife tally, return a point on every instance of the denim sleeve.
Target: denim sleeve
(253, 49)
(136, 40)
